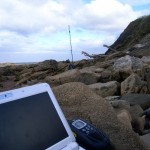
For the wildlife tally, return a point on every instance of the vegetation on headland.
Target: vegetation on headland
(133, 34)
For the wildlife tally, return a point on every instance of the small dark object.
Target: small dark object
(88, 136)
(67, 61)
(71, 66)
(147, 113)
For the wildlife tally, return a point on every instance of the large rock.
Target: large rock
(102, 74)
(50, 65)
(78, 101)
(147, 78)
(141, 99)
(65, 77)
(106, 89)
(146, 59)
(86, 75)
(84, 63)
(136, 111)
(138, 125)
(125, 66)
(105, 76)
(120, 104)
(145, 139)
(7, 71)
(133, 84)
(30, 78)
(125, 117)
(105, 64)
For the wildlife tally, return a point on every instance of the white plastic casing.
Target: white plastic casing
(33, 90)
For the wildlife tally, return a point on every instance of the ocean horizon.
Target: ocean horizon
(17, 63)
(25, 63)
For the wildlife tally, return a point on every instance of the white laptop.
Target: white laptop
(31, 119)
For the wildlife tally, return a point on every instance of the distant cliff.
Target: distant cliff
(135, 36)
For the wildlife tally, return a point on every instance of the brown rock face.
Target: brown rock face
(86, 75)
(50, 65)
(138, 124)
(106, 89)
(65, 77)
(125, 66)
(141, 99)
(145, 139)
(125, 117)
(78, 101)
(133, 84)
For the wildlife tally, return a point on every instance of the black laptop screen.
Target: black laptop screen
(30, 123)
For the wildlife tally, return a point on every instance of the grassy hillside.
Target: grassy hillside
(134, 32)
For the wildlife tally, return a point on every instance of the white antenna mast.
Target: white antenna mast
(70, 43)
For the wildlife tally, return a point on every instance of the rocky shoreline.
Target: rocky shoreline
(117, 94)
(111, 92)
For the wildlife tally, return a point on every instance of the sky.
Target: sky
(37, 30)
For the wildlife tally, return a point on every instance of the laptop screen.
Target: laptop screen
(30, 123)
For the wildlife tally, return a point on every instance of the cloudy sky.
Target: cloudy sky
(37, 30)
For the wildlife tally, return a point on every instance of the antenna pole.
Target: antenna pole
(70, 43)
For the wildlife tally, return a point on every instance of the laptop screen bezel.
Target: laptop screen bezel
(17, 94)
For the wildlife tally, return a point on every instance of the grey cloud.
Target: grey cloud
(13, 42)
(24, 18)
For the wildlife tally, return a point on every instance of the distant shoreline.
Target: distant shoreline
(21, 63)
(25, 63)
